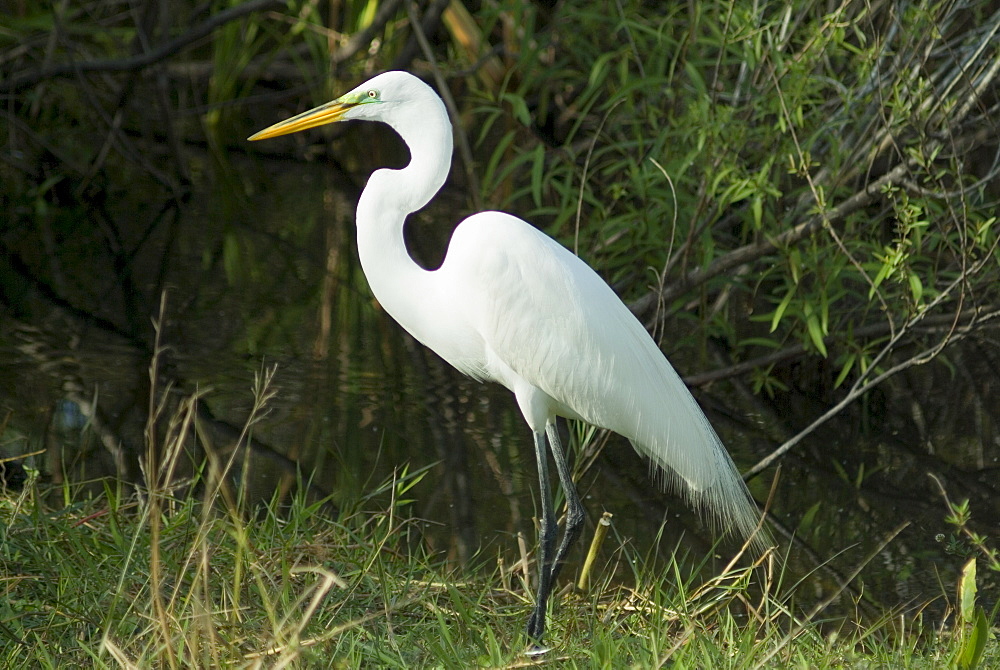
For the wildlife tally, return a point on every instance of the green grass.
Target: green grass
(683, 139)
(301, 586)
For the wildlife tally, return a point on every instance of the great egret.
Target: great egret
(511, 305)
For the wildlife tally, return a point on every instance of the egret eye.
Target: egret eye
(373, 94)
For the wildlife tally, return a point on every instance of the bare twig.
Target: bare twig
(583, 177)
(27, 79)
(861, 387)
(361, 39)
(798, 350)
(449, 101)
(758, 250)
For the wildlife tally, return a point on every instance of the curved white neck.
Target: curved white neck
(402, 287)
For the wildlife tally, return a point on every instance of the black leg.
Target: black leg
(546, 544)
(549, 560)
(575, 513)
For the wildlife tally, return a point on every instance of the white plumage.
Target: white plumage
(511, 305)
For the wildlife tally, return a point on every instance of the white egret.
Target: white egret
(511, 305)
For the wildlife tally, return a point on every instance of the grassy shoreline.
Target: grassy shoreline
(86, 586)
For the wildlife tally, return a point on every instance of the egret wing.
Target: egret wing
(553, 321)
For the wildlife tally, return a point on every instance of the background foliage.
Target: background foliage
(799, 199)
(800, 180)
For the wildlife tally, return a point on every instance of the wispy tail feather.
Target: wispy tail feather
(724, 500)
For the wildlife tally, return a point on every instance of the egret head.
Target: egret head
(381, 98)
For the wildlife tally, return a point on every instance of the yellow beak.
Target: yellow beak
(318, 116)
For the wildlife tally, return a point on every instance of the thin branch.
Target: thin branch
(463, 143)
(896, 176)
(859, 390)
(583, 177)
(363, 38)
(27, 79)
(757, 250)
(798, 350)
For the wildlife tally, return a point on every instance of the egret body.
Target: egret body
(511, 305)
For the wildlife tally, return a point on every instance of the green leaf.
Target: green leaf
(916, 287)
(368, 13)
(491, 179)
(883, 273)
(760, 342)
(231, 257)
(967, 591)
(795, 264)
(973, 645)
(537, 173)
(598, 70)
(824, 312)
(694, 75)
(977, 641)
(845, 370)
(816, 332)
(809, 518)
(518, 107)
(782, 306)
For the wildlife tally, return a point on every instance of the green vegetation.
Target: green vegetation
(182, 577)
(87, 586)
(800, 175)
(798, 198)
(767, 183)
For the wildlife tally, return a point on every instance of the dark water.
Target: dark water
(272, 282)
